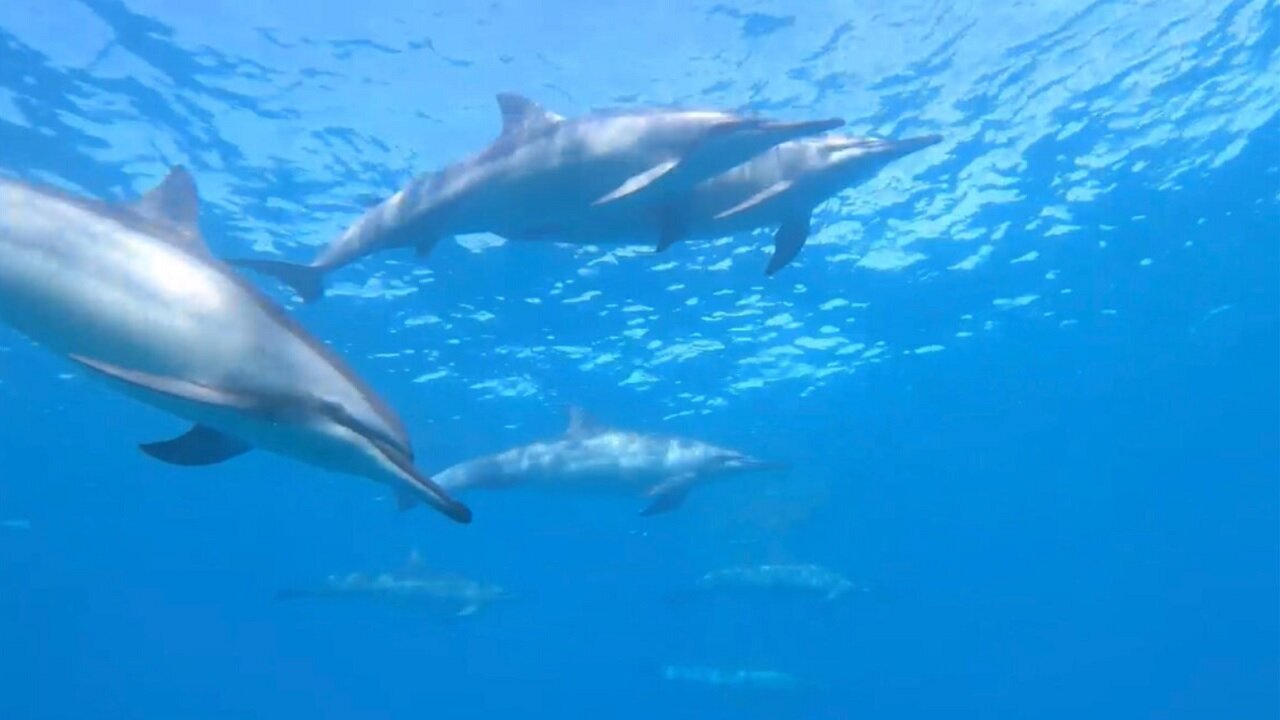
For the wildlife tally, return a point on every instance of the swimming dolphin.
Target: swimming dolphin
(543, 170)
(131, 292)
(458, 596)
(591, 456)
(733, 678)
(779, 187)
(802, 579)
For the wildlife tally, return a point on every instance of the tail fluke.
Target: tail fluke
(306, 280)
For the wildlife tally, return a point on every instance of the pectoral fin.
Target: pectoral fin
(668, 495)
(201, 445)
(639, 182)
(757, 199)
(423, 247)
(787, 242)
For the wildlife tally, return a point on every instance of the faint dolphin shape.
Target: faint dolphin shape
(803, 579)
(455, 595)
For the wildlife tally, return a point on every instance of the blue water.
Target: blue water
(1028, 381)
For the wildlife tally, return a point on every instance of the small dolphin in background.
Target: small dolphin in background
(15, 524)
(455, 595)
(132, 293)
(799, 579)
(780, 187)
(545, 170)
(590, 456)
(744, 679)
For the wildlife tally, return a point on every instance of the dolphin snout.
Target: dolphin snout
(751, 463)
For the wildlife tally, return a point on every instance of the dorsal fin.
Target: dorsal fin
(175, 203)
(520, 114)
(581, 422)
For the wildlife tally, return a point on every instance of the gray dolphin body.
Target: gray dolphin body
(544, 171)
(780, 188)
(799, 579)
(593, 457)
(132, 293)
(454, 595)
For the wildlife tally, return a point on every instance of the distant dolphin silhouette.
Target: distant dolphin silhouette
(453, 594)
(590, 456)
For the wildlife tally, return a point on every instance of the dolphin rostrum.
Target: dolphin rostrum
(590, 456)
(543, 171)
(780, 188)
(456, 595)
(131, 292)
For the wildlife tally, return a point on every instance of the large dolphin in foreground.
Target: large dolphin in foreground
(455, 595)
(589, 456)
(780, 188)
(545, 170)
(132, 293)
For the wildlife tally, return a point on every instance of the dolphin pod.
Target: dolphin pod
(132, 294)
(544, 170)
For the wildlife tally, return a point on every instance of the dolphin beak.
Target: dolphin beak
(884, 150)
(756, 464)
(785, 131)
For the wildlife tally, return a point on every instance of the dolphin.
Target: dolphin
(456, 595)
(780, 188)
(592, 456)
(132, 293)
(544, 170)
(800, 579)
(733, 678)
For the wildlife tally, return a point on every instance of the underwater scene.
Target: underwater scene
(814, 359)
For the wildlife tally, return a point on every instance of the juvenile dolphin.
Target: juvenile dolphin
(801, 579)
(589, 456)
(779, 187)
(458, 596)
(544, 170)
(132, 293)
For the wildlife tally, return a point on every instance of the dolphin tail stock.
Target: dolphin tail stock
(306, 280)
